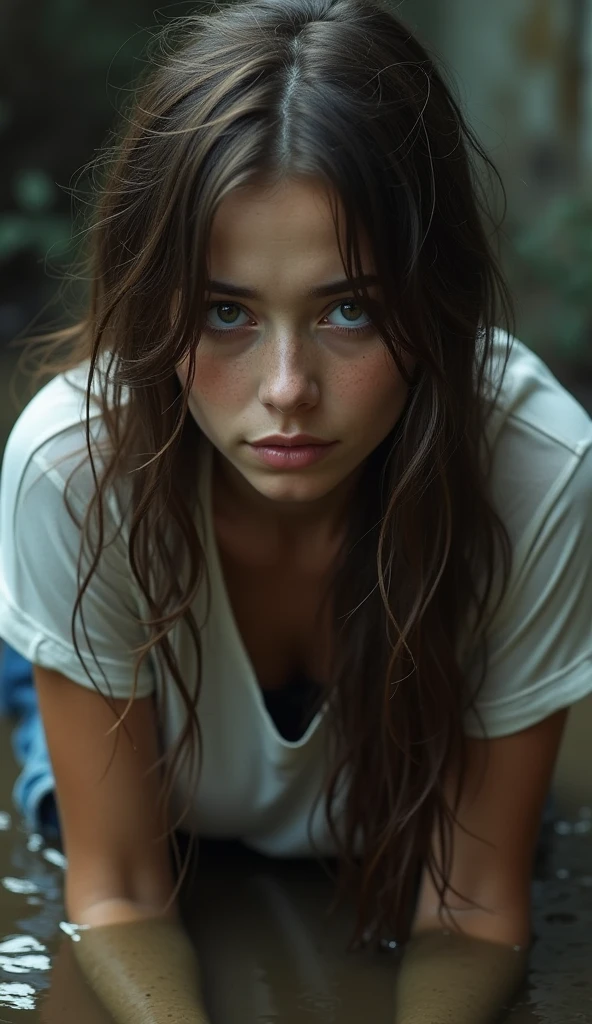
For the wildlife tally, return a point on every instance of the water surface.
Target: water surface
(268, 952)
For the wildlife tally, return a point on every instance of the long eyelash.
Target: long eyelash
(236, 330)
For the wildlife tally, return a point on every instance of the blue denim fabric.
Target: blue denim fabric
(34, 790)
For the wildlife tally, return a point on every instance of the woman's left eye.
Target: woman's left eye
(350, 305)
(350, 317)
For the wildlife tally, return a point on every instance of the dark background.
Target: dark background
(524, 76)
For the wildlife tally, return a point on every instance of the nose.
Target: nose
(289, 375)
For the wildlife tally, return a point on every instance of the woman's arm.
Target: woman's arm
(469, 978)
(119, 878)
(143, 969)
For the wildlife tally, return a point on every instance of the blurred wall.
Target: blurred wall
(525, 81)
(524, 72)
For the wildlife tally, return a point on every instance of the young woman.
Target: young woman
(299, 540)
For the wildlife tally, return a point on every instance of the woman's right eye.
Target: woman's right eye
(224, 310)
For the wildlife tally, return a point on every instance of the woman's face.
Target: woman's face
(282, 366)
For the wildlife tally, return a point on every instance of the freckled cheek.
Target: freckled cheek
(372, 389)
(216, 383)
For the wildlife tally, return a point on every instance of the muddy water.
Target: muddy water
(268, 954)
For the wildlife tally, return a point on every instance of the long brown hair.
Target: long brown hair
(340, 91)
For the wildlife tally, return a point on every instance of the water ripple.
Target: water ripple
(20, 885)
(21, 944)
(24, 964)
(17, 996)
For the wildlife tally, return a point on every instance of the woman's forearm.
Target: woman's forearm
(144, 971)
(446, 977)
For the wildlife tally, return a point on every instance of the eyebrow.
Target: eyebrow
(322, 291)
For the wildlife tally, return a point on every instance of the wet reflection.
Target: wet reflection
(270, 953)
(267, 949)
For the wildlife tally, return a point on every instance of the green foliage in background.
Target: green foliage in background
(33, 225)
(63, 68)
(553, 258)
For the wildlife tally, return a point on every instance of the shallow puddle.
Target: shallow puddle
(268, 952)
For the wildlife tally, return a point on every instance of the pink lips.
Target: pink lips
(295, 456)
(288, 440)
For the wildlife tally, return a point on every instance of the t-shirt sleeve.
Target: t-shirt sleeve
(39, 550)
(540, 644)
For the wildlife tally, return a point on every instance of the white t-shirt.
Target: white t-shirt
(256, 785)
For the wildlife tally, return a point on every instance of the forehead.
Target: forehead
(285, 229)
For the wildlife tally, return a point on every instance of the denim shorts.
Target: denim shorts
(34, 790)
